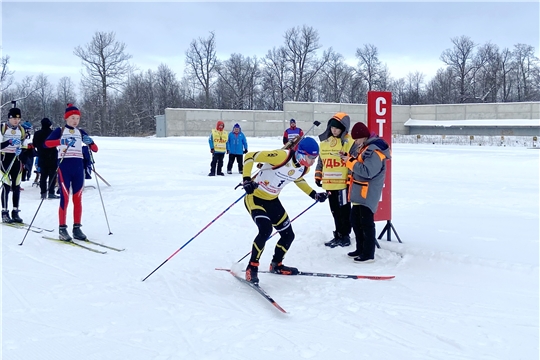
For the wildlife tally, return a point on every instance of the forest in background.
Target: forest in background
(118, 99)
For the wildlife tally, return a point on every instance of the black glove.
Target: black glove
(318, 182)
(212, 151)
(249, 185)
(320, 197)
(245, 151)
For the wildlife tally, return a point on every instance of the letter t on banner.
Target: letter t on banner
(379, 116)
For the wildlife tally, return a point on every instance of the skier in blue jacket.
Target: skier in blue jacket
(236, 148)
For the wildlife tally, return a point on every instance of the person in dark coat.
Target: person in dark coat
(47, 160)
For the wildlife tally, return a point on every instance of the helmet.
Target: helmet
(307, 152)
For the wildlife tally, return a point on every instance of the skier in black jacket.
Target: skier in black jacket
(47, 160)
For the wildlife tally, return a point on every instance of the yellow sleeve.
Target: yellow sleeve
(272, 157)
(303, 185)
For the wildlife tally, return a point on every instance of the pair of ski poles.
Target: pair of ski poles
(287, 146)
(51, 184)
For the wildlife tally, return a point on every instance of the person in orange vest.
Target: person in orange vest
(331, 174)
(218, 147)
(368, 170)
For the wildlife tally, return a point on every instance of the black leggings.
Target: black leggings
(268, 214)
(11, 181)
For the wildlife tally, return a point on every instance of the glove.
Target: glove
(15, 142)
(69, 141)
(245, 151)
(212, 151)
(320, 197)
(249, 185)
(318, 182)
(87, 140)
(18, 151)
(227, 152)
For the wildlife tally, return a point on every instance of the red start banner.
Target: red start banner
(379, 120)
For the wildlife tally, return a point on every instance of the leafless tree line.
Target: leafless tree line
(118, 99)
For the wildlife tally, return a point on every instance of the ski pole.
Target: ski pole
(6, 174)
(190, 240)
(51, 186)
(275, 232)
(99, 190)
(99, 176)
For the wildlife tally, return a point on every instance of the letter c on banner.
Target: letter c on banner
(381, 111)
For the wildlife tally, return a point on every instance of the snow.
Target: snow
(466, 284)
(474, 122)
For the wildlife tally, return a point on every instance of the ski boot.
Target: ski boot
(5, 217)
(63, 233)
(334, 242)
(252, 271)
(15, 217)
(77, 232)
(279, 268)
(344, 240)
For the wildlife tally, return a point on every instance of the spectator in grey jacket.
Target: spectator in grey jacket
(368, 170)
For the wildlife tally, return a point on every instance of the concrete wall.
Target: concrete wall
(198, 122)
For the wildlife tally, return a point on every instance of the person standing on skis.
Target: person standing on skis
(69, 140)
(13, 136)
(280, 167)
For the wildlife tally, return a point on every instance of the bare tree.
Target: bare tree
(370, 68)
(201, 61)
(300, 52)
(238, 76)
(107, 66)
(459, 59)
(526, 64)
(335, 79)
(6, 76)
(273, 79)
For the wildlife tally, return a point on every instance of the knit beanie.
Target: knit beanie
(359, 131)
(45, 122)
(292, 121)
(337, 124)
(71, 110)
(236, 126)
(14, 113)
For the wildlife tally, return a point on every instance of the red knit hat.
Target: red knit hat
(359, 131)
(71, 110)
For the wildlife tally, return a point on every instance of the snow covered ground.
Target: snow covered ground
(466, 284)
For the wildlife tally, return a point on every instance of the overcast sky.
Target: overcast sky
(410, 36)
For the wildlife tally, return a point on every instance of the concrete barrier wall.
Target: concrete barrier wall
(198, 122)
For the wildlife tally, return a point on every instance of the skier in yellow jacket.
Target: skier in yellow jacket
(331, 174)
(280, 167)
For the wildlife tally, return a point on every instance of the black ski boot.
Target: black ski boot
(334, 242)
(252, 271)
(15, 217)
(63, 233)
(5, 217)
(279, 268)
(77, 232)
(344, 240)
